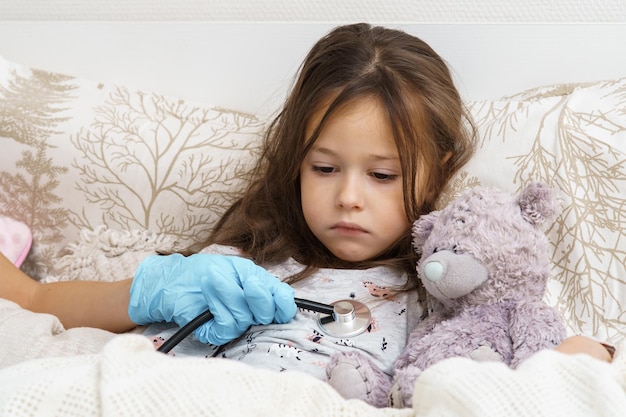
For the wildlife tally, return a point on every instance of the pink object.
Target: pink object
(15, 240)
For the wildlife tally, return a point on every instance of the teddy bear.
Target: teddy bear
(485, 263)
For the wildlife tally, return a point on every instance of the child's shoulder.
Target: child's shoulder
(216, 249)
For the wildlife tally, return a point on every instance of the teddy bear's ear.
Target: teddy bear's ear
(422, 228)
(538, 203)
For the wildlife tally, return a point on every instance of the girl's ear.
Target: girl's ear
(538, 203)
(422, 228)
(446, 157)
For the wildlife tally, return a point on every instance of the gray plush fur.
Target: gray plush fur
(486, 261)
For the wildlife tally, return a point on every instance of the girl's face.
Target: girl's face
(351, 181)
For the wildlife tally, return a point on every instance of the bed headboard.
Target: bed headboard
(248, 66)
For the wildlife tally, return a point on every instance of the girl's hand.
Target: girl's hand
(582, 344)
(175, 288)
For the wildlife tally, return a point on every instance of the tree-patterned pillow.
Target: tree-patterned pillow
(77, 154)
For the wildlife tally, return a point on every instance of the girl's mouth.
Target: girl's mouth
(348, 228)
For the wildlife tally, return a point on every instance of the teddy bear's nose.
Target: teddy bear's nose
(433, 270)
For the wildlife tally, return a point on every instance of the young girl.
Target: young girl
(370, 134)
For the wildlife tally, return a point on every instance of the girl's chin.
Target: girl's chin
(354, 257)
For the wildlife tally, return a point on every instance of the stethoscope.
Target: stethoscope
(343, 318)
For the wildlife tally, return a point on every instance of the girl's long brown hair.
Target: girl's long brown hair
(432, 131)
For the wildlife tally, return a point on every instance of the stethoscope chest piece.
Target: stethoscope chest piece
(350, 318)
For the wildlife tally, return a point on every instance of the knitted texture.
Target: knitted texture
(129, 378)
(547, 384)
(105, 254)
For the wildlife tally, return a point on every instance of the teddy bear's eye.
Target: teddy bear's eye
(435, 249)
(455, 249)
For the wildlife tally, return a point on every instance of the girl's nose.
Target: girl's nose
(350, 193)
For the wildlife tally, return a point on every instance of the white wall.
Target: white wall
(248, 66)
(243, 53)
(433, 11)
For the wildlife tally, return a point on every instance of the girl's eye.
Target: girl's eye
(323, 169)
(384, 177)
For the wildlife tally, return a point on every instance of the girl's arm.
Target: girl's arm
(583, 344)
(102, 305)
(171, 288)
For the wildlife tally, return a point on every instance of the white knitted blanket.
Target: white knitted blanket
(45, 370)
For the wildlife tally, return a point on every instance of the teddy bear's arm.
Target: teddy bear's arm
(534, 326)
(422, 329)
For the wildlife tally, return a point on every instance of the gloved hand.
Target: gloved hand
(238, 293)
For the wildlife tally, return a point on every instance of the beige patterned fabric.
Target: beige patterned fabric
(81, 158)
(77, 154)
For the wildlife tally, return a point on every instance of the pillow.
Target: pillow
(573, 137)
(78, 154)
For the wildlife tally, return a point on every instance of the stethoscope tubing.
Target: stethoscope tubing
(202, 318)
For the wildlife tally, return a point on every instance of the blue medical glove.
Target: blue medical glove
(175, 288)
